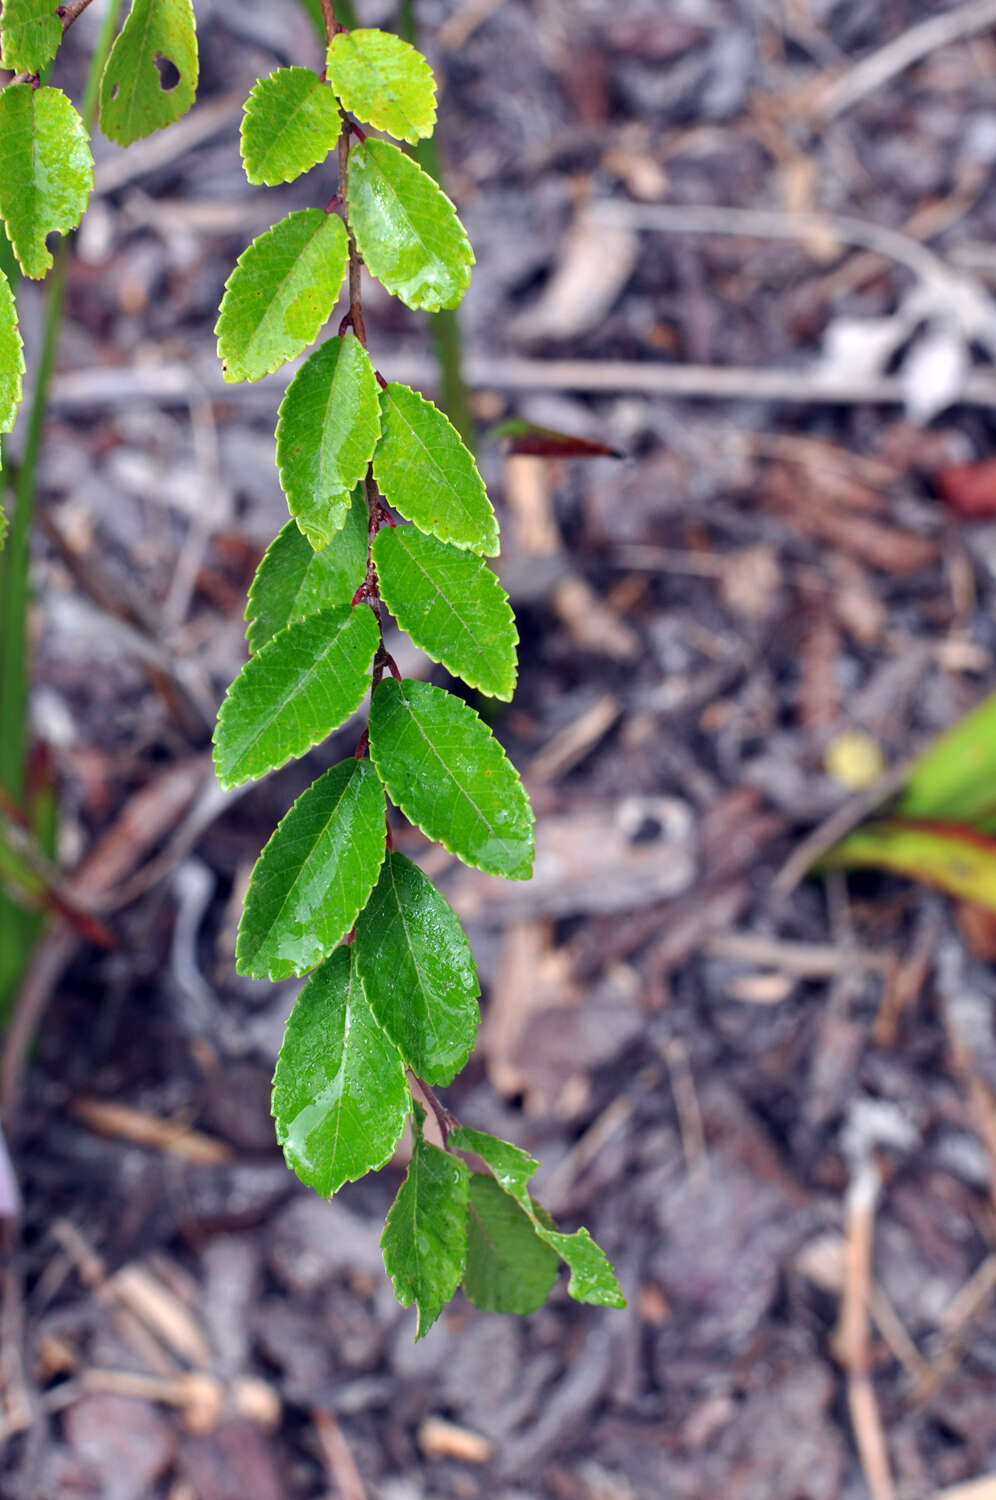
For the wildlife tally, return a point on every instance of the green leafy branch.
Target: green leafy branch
(392, 1001)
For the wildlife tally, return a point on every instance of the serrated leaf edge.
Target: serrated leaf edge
(438, 839)
(506, 609)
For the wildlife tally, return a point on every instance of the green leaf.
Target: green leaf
(955, 778)
(303, 684)
(283, 288)
(291, 123)
(418, 971)
(452, 606)
(383, 81)
(406, 228)
(512, 1167)
(11, 357)
(592, 1277)
(46, 170)
(30, 33)
(509, 1268)
(327, 430)
(425, 471)
(294, 581)
(448, 774)
(340, 1094)
(136, 94)
(954, 858)
(314, 876)
(425, 1237)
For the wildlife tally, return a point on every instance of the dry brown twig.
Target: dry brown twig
(905, 50)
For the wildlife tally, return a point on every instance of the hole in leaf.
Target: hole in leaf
(169, 73)
(115, 91)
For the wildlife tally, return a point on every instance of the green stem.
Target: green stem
(444, 327)
(13, 674)
(14, 603)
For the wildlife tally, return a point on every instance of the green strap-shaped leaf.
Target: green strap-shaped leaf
(452, 606)
(418, 971)
(315, 874)
(30, 33)
(406, 228)
(445, 770)
(424, 470)
(425, 1237)
(138, 92)
(283, 288)
(340, 1095)
(291, 123)
(592, 1277)
(46, 170)
(509, 1268)
(11, 357)
(302, 685)
(383, 80)
(294, 581)
(327, 430)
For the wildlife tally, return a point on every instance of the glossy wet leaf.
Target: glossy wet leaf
(303, 684)
(383, 81)
(452, 606)
(327, 430)
(424, 470)
(46, 171)
(30, 33)
(512, 1167)
(139, 91)
(291, 123)
(448, 774)
(954, 858)
(11, 357)
(294, 581)
(340, 1094)
(955, 778)
(418, 971)
(509, 1268)
(425, 1237)
(315, 874)
(592, 1278)
(406, 229)
(284, 287)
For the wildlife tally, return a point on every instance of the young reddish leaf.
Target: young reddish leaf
(314, 876)
(424, 470)
(509, 1268)
(445, 770)
(294, 581)
(418, 971)
(592, 1277)
(30, 33)
(340, 1095)
(425, 1237)
(46, 170)
(291, 123)
(11, 357)
(303, 684)
(452, 606)
(547, 442)
(283, 288)
(406, 228)
(135, 96)
(383, 80)
(327, 430)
